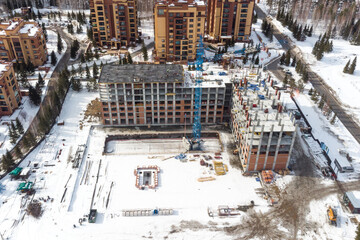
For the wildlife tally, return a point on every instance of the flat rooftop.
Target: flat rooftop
(141, 73)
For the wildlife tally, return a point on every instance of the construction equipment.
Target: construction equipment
(196, 140)
(267, 176)
(220, 168)
(332, 215)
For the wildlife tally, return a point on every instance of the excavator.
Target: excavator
(332, 215)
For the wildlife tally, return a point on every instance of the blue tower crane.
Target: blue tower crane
(196, 140)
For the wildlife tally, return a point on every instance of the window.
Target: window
(161, 12)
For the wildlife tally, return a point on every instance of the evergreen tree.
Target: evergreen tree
(53, 58)
(38, 89)
(19, 127)
(305, 76)
(358, 233)
(7, 161)
(95, 70)
(346, 68)
(82, 58)
(282, 59)
(69, 16)
(101, 65)
(129, 59)
(40, 81)
(255, 18)
(298, 67)
(34, 96)
(80, 70)
(39, 15)
(293, 63)
(89, 33)
(78, 30)
(310, 92)
(75, 84)
(73, 71)
(352, 66)
(23, 79)
(310, 31)
(287, 58)
(87, 70)
(96, 55)
(13, 134)
(88, 55)
(18, 152)
(30, 66)
(44, 31)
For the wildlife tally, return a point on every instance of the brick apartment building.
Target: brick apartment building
(23, 41)
(155, 94)
(114, 22)
(10, 97)
(229, 18)
(178, 25)
(264, 135)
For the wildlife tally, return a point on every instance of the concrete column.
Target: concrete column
(259, 146)
(292, 145)
(166, 106)
(144, 102)
(251, 142)
(133, 103)
(268, 145)
(117, 103)
(152, 103)
(278, 146)
(125, 104)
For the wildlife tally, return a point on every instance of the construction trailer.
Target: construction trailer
(352, 200)
(25, 173)
(263, 133)
(14, 174)
(92, 216)
(25, 186)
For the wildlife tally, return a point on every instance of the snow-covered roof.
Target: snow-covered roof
(31, 29)
(12, 25)
(354, 198)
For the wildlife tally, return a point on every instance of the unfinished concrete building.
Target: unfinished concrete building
(263, 133)
(154, 94)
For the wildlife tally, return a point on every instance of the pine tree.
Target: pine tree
(95, 70)
(282, 59)
(298, 67)
(257, 60)
(82, 58)
(12, 134)
(75, 84)
(18, 152)
(96, 55)
(293, 63)
(87, 72)
(30, 66)
(78, 30)
(59, 43)
(80, 70)
(38, 89)
(129, 59)
(7, 161)
(286, 80)
(255, 18)
(19, 127)
(346, 68)
(44, 31)
(53, 58)
(287, 58)
(34, 96)
(305, 76)
(358, 233)
(39, 15)
(310, 92)
(353, 66)
(40, 81)
(310, 31)
(101, 65)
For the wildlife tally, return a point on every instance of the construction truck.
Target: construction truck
(332, 215)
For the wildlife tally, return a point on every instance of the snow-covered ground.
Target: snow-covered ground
(330, 68)
(178, 187)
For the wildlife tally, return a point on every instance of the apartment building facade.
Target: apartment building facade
(114, 22)
(154, 94)
(228, 19)
(178, 25)
(264, 135)
(23, 41)
(10, 97)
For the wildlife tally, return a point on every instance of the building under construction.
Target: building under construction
(153, 94)
(264, 134)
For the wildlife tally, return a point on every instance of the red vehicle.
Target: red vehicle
(202, 163)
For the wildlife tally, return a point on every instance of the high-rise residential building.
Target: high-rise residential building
(178, 25)
(227, 19)
(114, 22)
(10, 97)
(263, 133)
(158, 94)
(23, 41)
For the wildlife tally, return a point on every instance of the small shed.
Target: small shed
(352, 200)
(92, 215)
(25, 173)
(16, 172)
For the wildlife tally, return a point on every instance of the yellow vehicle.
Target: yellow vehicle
(332, 215)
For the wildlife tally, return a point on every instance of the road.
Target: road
(318, 83)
